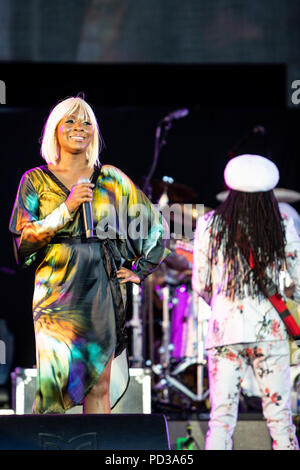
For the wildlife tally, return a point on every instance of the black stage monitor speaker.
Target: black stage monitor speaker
(84, 432)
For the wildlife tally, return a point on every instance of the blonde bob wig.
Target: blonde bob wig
(67, 107)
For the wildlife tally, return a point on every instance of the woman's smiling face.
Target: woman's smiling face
(74, 133)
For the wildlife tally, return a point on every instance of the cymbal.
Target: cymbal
(281, 194)
(286, 195)
(176, 192)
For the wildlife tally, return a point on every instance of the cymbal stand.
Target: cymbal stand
(201, 361)
(165, 350)
(163, 368)
(137, 330)
(167, 377)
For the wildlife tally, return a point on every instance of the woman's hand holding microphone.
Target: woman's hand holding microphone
(80, 193)
(83, 192)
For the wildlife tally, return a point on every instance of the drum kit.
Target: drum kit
(169, 321)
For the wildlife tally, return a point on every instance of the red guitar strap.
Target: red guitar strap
(285, 315)
(270, 291)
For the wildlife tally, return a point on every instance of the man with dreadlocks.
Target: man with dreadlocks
(242, 239)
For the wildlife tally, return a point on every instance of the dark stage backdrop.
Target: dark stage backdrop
(224, 103)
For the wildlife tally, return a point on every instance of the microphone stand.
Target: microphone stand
(160, 140)
(244, 139)
(162, 129)
(139, 311)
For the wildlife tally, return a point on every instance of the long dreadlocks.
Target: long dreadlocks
(247, 226)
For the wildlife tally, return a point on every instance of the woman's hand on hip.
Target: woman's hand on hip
(81, 192)
(127, 276)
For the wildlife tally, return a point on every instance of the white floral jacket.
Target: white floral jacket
(247, 320)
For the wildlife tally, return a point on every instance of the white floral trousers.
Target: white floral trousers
(227, 366)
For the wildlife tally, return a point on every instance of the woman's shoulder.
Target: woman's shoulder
(113, 173)
(35, 170)
(34, 175)
(110, 170)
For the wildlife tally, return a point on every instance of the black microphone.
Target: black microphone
(178, 114)
(87, 213)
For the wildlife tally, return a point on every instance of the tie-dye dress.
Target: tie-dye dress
(78, 307)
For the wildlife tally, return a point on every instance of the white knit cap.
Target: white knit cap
(251, 173)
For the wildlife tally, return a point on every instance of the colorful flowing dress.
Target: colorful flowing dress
(78, 307)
